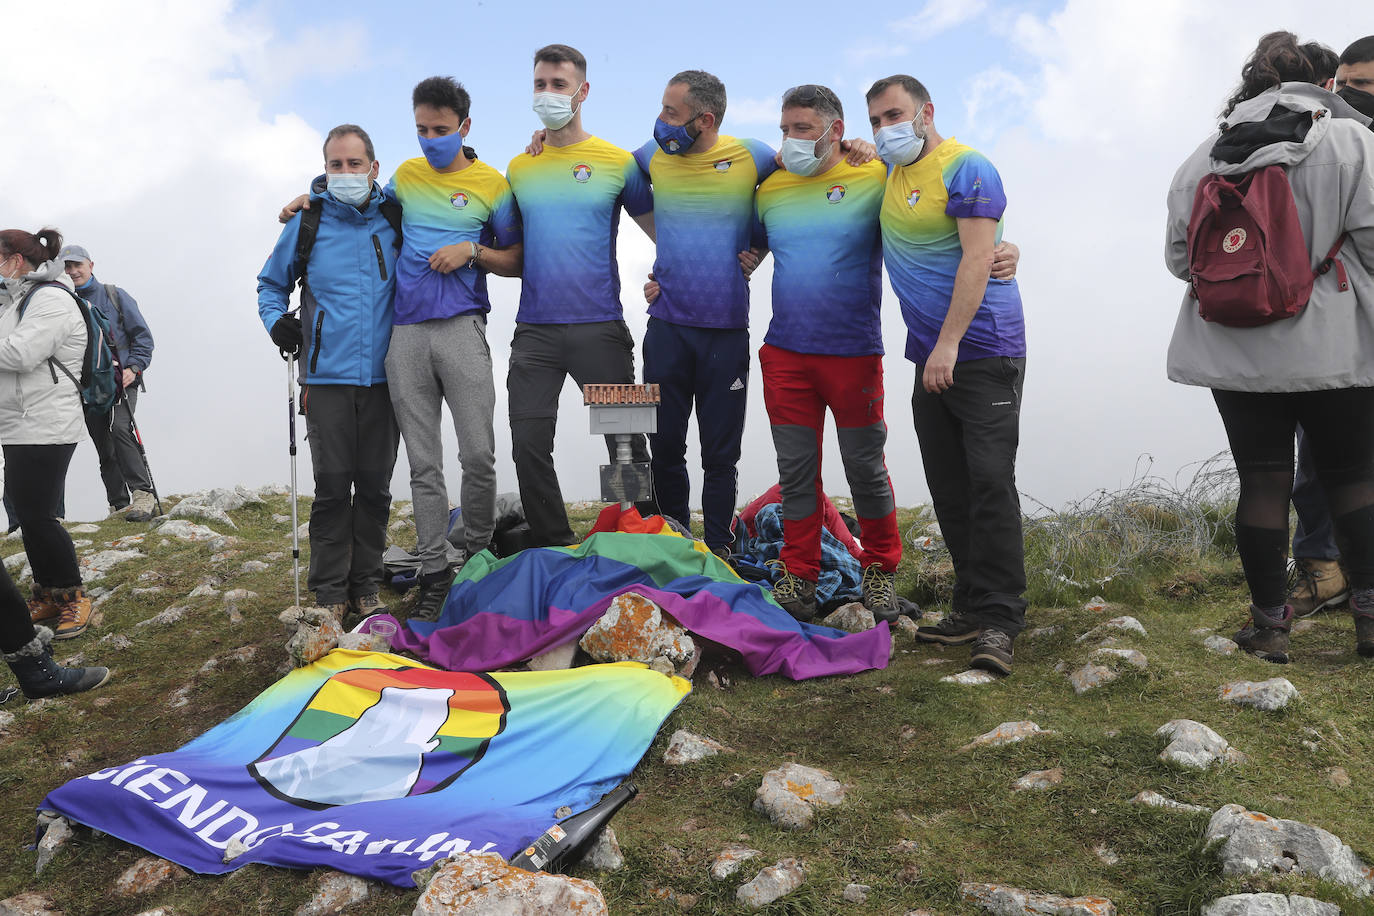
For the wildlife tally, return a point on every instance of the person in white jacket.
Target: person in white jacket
(1312, 369)
(42, 332)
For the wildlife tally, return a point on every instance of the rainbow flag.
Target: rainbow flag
(502, 612)
(376, 765)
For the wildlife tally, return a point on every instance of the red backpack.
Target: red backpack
(1247, 257)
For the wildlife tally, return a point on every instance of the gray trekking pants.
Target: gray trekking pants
(446, 360)
(353, 440)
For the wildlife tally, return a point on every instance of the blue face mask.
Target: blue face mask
(672, 138)
(898, 144)
(353, 188)
(441, 151)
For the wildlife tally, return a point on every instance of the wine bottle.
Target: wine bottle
(565, 842)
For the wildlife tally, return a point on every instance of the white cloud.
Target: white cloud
(939, 16)
(754, 111)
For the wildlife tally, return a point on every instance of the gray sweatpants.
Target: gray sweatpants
(428, 364)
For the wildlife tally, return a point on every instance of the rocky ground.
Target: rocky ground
(1135, 762)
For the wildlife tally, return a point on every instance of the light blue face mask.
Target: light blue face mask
(441, 151)
(898, 144)
(555, 109)
(800, 157)
(352, 188)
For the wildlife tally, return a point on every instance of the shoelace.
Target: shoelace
(995, 639)
(877, 585)
(788, 586)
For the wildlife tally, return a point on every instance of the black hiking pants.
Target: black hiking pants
(121, 463)
(35, 476)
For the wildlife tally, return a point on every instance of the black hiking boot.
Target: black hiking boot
(796, 595)
(39, 676)
(1362, 605)
(992, 652)
(1266, 637)
(433, 592)
(956, 629)
(878, 590)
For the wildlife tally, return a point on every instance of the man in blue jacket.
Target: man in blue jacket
(347, 284)
(128, 488)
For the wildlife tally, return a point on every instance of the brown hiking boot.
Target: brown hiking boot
(1265, 637)
(796, 595)
(367, 605)
(1317, 584)
(73, 611)
(142, 507)
(879, 591)
(338, 610)
(41, 606)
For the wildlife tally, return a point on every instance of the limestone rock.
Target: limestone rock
(685, 747)
(604, 854)
(54, 838)
(906, 626)
(95, 565)
(1004, 900)
(1256, 842)
(203, 590)
(84, 528)
(635, 629)
(1192, 744)
(15, 561)
(254, 566)
(227, 500)
(790, 795)
(1220, 645)
(1155, 800)
(29, 904)
(147, 874)
(771, 883)
(556, 659)
(188, 509)
(1133, 657)
(730, 859)
(1040, 632)
(856, 893)
(334, 893)
(1269, 905)
(852, 618)
(1006, 733)
(1040, 779)
(482, 884)
(6, 718)
(1269, 695)
(316, 634)
(169, 616)
(1125, 624)
(1338, 777)
(1092, 676)
(1095, 604)
(190, 532)
(971, 678)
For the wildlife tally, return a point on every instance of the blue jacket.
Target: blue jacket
(346, 306)
(132, 339)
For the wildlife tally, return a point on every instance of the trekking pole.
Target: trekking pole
(291, 424)
(142, 452)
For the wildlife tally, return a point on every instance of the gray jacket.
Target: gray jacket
(1330, 343)
(38, 404)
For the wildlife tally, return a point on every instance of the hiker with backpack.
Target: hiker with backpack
(342, 251)
(1271, 222)
(123, 470)
(43, 347)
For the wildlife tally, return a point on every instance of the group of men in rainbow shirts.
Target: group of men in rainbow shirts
(391, 333)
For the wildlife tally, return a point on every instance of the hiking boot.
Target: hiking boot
(41, 606)
(39, 676)
(724, 553)
(142, 507)
(73, 611)
(879, 591)
(1362, 605)
(433, 593)
(338, 610)
(367, 605)
(992, 652)
(1266, 637)
(796, 595)
(117, 511)
(956, 629)
(1317, 584)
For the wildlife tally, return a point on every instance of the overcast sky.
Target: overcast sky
(164, 136)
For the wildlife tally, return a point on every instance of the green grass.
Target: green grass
(892, 735)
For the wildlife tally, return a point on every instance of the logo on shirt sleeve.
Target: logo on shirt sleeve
(582, 172)
(722, 165)
(835, 193)
(458, 199)
(913, 197)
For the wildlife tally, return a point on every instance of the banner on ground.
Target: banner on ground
(378, 766)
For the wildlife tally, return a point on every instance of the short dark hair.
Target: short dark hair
(818, 98)
(911, 84)
(704, 91)
(36, 247)
(1278, 58)
(343, 130)
(442, 92)
(557, 54)
(1359, 52)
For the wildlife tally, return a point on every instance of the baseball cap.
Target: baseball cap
(74, 253)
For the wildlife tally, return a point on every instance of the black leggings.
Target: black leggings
(16, 630)
(1339, 424)
(35, 476)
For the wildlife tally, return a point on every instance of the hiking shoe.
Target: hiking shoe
(73, 611)
(142, 507)
(955, 630)
(117, 511)
(367, 605)
(1266, 637)
(433, 593)
(1362, 605)
(41, 606)
(39, 676)
(796, 595)
(338, 610)
(1317, 584)
(879, 593)
(992, 652)
(724, 553)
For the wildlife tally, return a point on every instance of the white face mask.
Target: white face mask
(800, 157)
(899, 144)
(353, 188)
(554, 108)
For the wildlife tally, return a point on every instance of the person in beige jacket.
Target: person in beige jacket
(42, 332)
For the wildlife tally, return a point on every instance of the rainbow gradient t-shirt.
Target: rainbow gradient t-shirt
(703, 218)
(921, 246)
(569, 198)
(438, 209)
(827, 276)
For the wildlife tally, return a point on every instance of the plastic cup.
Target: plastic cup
(381, 632)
